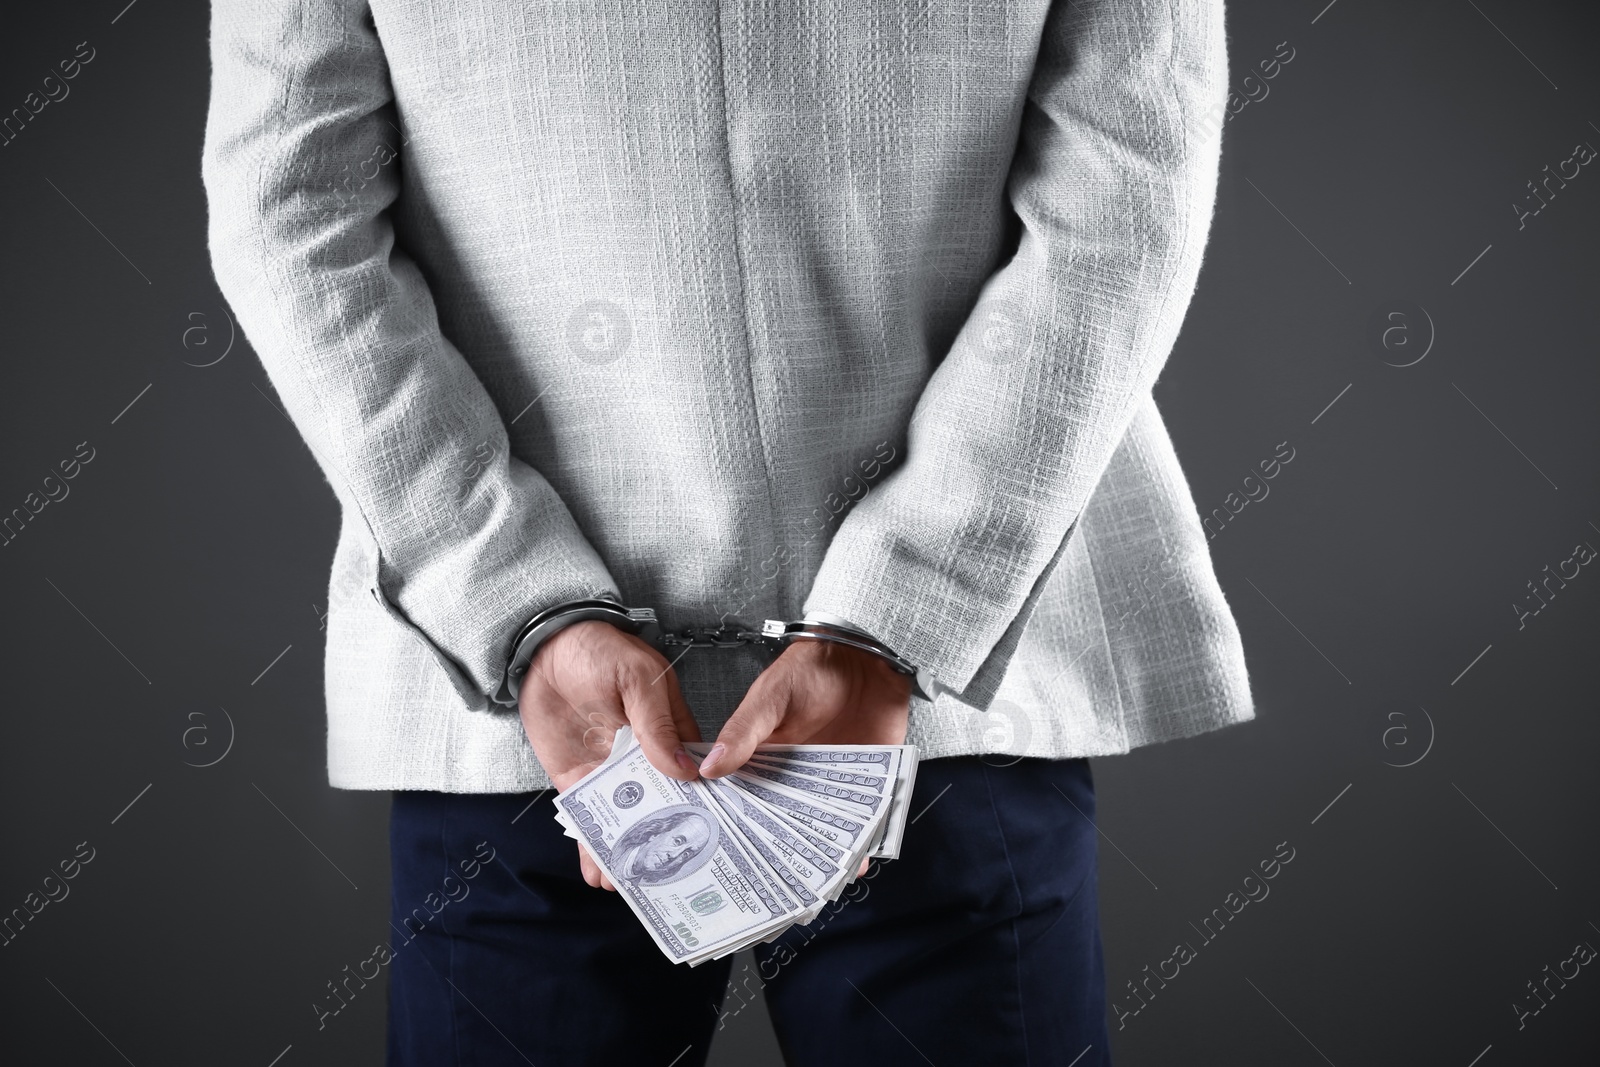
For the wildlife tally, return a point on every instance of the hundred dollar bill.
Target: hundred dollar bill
(833, 763)
(789, 836)
(781, 846)
(895, 812)
(880, 756)
(898, 762)
(621, 742)
(714, 865)
(880, 768)
(790, 885)
(861, 779)
(870, 766)
(822, 828)
(693, 885)
(845, 799)
(820, 816)
(870, 758)
(820, 822)
(840, 839)
(849, 798)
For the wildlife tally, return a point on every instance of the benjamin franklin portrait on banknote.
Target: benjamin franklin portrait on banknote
(671, 844)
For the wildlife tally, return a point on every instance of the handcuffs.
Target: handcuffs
(774, 635)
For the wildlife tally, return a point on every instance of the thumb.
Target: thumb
(647, 703)
(758, 714)
(682, 718)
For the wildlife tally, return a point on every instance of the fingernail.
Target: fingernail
(713, 756)
(686, 761)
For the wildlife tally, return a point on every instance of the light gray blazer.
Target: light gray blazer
(736, 309)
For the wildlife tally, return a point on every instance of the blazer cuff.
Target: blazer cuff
(468, 617)
(961, 642)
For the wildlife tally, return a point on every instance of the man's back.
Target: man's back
(667, 283)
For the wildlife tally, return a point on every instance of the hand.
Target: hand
(815, 692)
(584, 683)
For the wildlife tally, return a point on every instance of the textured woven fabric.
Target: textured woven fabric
(736, 310)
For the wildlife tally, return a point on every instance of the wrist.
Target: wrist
(545, 625)
(827, 626)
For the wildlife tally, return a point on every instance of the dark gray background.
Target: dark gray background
(1375, 585)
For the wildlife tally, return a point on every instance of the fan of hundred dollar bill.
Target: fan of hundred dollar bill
(715, 865)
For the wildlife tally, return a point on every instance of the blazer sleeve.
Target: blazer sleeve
(470, 541)
(1113, 181)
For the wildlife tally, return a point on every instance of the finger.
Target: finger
(649, 710)
(761, 710)
(688, 729)
(592, 872)
(590, 869)
(862, 870)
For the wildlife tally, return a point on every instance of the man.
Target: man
(842, 314)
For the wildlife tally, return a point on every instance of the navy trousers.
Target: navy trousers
(980, 945)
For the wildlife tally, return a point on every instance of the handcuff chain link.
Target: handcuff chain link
(718, 637)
